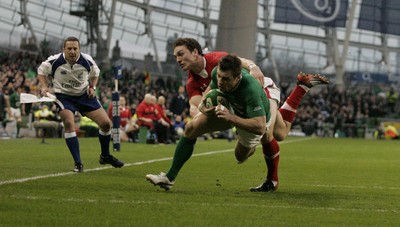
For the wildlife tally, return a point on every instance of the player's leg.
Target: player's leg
(288, 110)
(278, 128)
(271, 153)
(281, 127)
(199, 125)
(103, 121)
(246, 145)
(68, 119)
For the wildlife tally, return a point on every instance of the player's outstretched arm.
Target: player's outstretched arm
(254, 70)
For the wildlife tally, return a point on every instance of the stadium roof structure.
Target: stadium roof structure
(292, 34)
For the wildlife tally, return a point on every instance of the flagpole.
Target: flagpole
(116, 137)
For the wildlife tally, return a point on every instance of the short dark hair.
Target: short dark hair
(189, 43)
(71, 38)
(232, 63)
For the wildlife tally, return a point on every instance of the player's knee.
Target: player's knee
(69, 126)
(242, 152)
(279, 136)
(105, 126)
(189, 130)
(240, 155)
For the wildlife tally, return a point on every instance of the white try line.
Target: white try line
(203, 204)
(21, 180)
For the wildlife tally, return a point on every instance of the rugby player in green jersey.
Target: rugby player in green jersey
(250, 116)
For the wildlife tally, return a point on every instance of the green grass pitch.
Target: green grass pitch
(323, 182)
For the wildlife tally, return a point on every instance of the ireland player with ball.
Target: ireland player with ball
(251, 116)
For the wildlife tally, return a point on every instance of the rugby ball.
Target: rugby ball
(215, 97)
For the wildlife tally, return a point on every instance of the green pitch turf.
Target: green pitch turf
(323, 182)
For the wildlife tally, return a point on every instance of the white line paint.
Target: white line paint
(21, 180)
(168, 203)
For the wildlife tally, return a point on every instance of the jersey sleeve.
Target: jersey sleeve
(94, 69)
(214, 81)
(257, 103)
(45, 67)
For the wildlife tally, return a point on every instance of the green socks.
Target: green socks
(183, 152)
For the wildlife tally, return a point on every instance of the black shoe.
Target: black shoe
(267, 186)
(111, 160)
(78, 168)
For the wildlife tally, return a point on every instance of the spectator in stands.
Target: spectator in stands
(46, 122)
(179, 102)
(132, 129)
(145, 112)
(179, 125)
(87, 127)
(391, 97)
(149, 116)
(391, 132)
(160, 125)
(166, 123)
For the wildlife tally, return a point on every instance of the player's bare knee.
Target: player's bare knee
(190, 131)
(279, 136)
(69, 126)
(241, 152)
(105, 126)
(240, 156)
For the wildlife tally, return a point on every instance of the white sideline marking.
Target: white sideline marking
(21, 180)
(74, 200)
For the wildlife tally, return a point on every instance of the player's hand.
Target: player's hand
(44, 91)
(206, 111)
(256, 73)
(223, 112)
(91, 92)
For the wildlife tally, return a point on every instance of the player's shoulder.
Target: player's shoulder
(248, 77)
(87, 57)
(249, 82)
(54, 57)
(215, 56)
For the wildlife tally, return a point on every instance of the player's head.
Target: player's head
(190, 44)
(71, 49)
(187, 52)
(229, 72)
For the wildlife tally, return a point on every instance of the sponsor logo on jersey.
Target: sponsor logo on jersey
(257, 108)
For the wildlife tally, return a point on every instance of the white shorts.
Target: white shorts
(248, 139)
(15, 112)
(273, 92)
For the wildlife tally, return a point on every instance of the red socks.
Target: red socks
(271, 156)
(289, 108)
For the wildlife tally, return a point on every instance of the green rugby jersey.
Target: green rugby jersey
(248, 99)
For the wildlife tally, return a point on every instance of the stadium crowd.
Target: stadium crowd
(326, 112)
